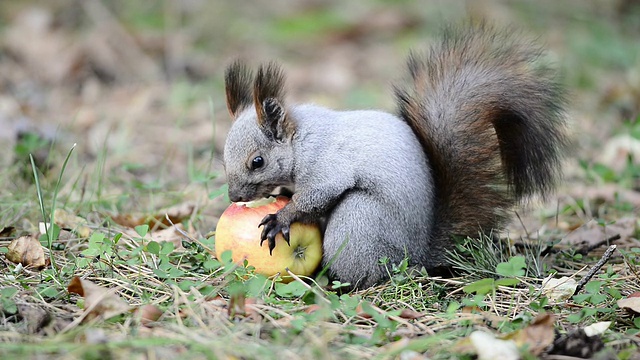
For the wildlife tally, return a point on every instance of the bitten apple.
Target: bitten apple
(238, 231)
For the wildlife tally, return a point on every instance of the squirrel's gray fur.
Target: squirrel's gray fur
(480, 126)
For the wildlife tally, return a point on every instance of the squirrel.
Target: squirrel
(480, 127)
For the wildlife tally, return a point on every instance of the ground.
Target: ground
(121, 106)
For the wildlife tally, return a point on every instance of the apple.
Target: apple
(238, 231)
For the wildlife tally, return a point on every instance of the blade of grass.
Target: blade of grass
(49, 232)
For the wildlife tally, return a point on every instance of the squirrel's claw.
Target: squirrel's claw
(285, 233)
(271, 229)
(267, 219)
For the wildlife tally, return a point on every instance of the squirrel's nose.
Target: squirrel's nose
(236, 198)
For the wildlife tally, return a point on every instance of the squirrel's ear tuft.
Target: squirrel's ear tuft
(268, 97)
(237, 82)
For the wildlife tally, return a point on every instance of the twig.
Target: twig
(595, 268)
(582, 251)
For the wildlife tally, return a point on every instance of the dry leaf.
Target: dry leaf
(128, 220)
(98, 301)
(537, 336)
(557, 290)
(171, 234)
(236, 305)
(410, 314)
(26, 250)
(251, 311)
(630, 303)
(148, 314)
(610, 193)
(241, 306)
(488, 347)
(404, 313)
(592, 233)
(176, 215)
(361, 313)
(471, 310)
(618, 150)
(312, 308)
(66, 220)
(597, 328)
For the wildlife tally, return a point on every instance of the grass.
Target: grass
(154, 155)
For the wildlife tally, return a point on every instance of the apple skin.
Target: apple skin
(238, 231)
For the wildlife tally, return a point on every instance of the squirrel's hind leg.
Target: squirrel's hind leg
(356, 238)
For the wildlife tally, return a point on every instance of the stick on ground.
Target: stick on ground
(595, 268)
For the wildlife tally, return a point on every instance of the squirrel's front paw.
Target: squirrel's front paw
(272, 226)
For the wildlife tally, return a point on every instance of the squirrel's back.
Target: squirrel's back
(489, 114)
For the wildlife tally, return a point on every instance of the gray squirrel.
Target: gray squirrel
(480, 127)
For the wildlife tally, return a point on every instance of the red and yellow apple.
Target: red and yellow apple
(238, 231)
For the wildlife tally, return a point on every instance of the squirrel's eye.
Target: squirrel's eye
(257, 162)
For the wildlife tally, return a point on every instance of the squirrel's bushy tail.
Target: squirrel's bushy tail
(489, 114)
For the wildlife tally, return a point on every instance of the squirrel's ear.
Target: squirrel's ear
(268, 97)
(237, 83)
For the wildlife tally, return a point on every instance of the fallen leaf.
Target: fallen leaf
(557, 290)
(26, 250)
(251, 311)
(176, 215)
(66, 220)
(593, 233)
(312, 308)
(472, 309)
(241, 306)
(128, 220)
(537, 336)
(488, 347)
(361, 313)
(630, 303)
(410, 314)
(597, 328)
(236, 305)
(98, 301)
(618, 150)
(148, 314)
(172, 234)
(609, 193)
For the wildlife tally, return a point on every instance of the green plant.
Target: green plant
(7, 304)
(487, 256)
(594, 300)
(49, 220)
